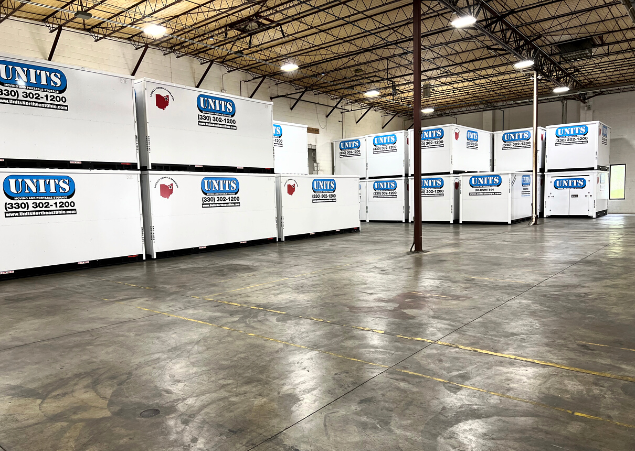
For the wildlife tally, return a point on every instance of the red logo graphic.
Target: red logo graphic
(456, 185)
(290, 189)
(166, 190)
(456, 134)
(162, 101)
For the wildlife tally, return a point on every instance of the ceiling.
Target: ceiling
(345, 48)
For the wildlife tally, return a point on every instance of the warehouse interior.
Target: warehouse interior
(138, 315)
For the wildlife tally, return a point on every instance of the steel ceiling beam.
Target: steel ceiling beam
(8, 8)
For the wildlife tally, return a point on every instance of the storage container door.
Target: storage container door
(558, 200)
(580, 199)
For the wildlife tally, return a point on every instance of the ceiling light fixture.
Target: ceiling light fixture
(372, 93)
(289, 67)
(83, 15)
(524, 64)
(463, 21)
(155, 31)
(560, 89)
(428, 110)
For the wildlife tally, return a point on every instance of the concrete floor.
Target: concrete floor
(342, 342)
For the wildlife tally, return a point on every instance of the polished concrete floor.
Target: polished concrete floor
(498, 338)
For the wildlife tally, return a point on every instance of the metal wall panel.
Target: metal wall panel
(439, 198)
(584, 145)
(51, 111)
(189, 126)
(447, 149)
(513, 150)
(185, 210)
(54, 217)
(387, 199)
(387, 154)
(349, 156)
(495, 197)
(309, 204)
(290, 148)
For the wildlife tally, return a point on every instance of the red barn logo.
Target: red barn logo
(161, 97)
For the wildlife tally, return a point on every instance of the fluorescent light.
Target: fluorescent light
(463, 21)
(372, 93)
(289, 67)
(524, 64)
(560, 89)
(428, 110)
(155, 31)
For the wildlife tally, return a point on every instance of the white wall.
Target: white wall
(616, 110)
(34, 41)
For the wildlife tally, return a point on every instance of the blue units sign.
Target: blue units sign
(432, 187)
(351, 148)
(432, 138)
(472, 139)
(220, 192)
(570, 135)
(216, 112)
(32, 86)
(38, 195)
(277, 136)
(324, 190)
(486, 185)
(385, 143)
(573, 182)
(517, 140)
(385, 189)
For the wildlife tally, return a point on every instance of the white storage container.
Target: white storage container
(495, 197)
(179, 125)
(448, 149)
(439, 198)
(387, 199)
(363, 200)
(585, 145)
(310, 204)
(54, 217)
(349, 156)
(290, 148)
(577, 193)
(51, 111)
(513, 150)
(387, 154)
(184, 210)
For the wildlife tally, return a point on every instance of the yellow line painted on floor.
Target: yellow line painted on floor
(412, 373)
(605, 346)
(440, 343)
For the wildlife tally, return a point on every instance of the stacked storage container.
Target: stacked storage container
(386, 187)
(68, 164)
(349, 158)
(309, 204)
(513, 152)
(446, 151)
(577, 163)
(207, 161)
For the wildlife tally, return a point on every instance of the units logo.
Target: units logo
(526, 180)
(572, 135)
(220, 185)
(161, 97)
(216, 112)
(350, 148)
(220, 192)
(472, 139)
(277, 136)
(166, 186)
(432, 187)
(38, 78)
(291, 186)
(575, 130)
(383, 140)
(324, 190)
(432, 138)
(385, 189)
(481, 181)
(51, 194)
(516, 136)
(604, 134)
(32, 86)
(574, 182)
